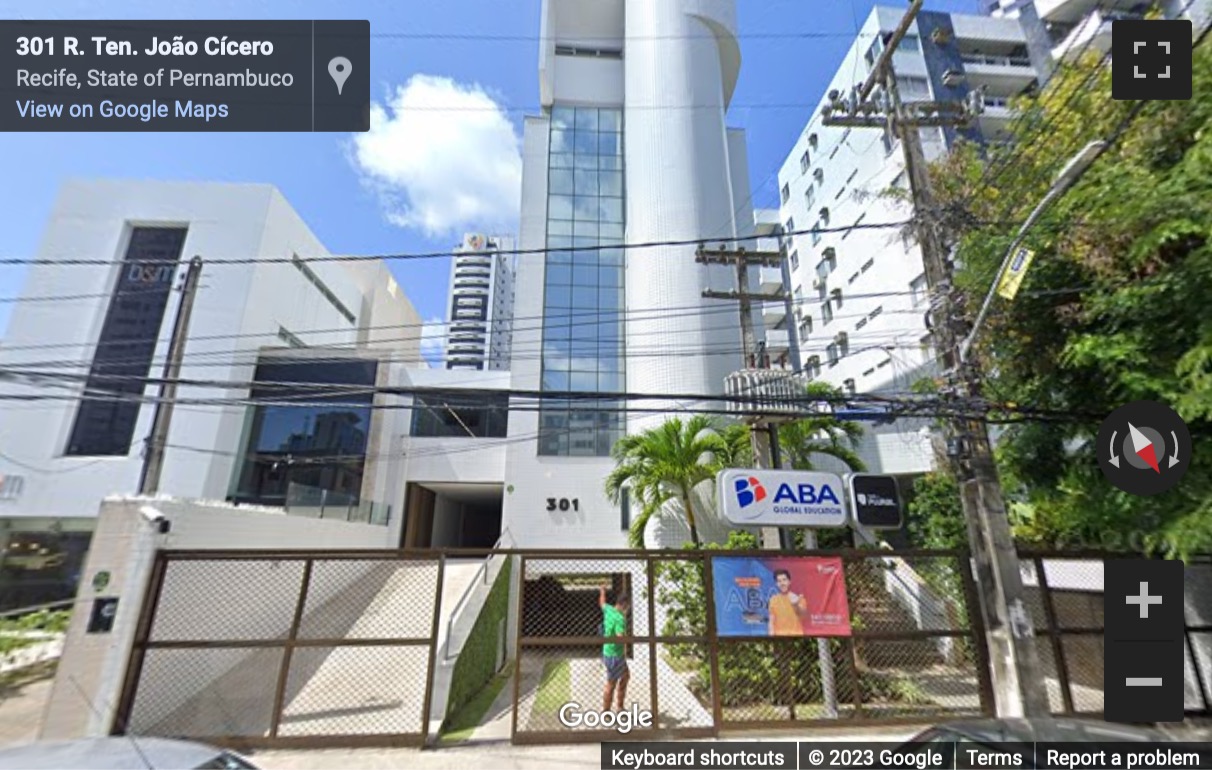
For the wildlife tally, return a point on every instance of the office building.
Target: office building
(480, 326)
(859, 296)
(289, 325)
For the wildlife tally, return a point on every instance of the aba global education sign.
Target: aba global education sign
(768, 498)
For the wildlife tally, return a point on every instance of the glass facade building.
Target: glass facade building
(583, 312)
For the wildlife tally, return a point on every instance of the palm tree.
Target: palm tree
(821, 435)
(665, 463)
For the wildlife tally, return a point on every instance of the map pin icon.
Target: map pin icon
(339, 68)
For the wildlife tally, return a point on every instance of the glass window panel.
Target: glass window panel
(610, 145)
(588, 244)
(584, 353)
(557, 358)
(585, 208)
(610, 381)
(559, 258)
(558, 227)
(559, 297)
(559, 274)
(559, 241)
(610, 120)
(608, 297)
(585, 275)
(606, 439)
(587, 118)
(585, 143)
(561, 181)
(611, 209)
(555, 380)
(562, 117)
(612, 184)
(584, 381)
(609, 275)
(562, 160)
(610, 162)
(560, 207)
(557, 333)
(613, 257)
(586, 182)
(588, 229)
(584, 297)
(562, 141)
(586, 161)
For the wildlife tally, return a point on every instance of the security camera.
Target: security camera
(157, 519)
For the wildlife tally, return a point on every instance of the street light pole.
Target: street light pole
(1072, 171)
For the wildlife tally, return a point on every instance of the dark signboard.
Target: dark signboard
(101, 619)
(875, 501)
(105, 423)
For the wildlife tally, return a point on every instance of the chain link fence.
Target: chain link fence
(285, 649)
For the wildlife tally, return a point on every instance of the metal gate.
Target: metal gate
(916, 652)
(256, 649)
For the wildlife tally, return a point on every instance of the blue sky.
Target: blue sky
(382, 195)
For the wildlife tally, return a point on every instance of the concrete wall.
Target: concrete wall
(92, 668)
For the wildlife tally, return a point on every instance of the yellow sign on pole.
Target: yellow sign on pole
(1007, 285)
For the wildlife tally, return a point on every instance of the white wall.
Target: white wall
(242, 306)
(93, 665)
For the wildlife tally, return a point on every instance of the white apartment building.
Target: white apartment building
(289, 320)
(1067, 28)
(859, 296)
(480, 326)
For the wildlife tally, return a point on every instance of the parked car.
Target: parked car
(121, 753)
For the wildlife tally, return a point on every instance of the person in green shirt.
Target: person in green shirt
(614, 623)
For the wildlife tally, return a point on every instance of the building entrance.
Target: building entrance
(446, 515)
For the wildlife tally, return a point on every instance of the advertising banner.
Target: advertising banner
(780, 596)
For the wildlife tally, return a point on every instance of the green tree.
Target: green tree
(821, 434)
(666, 463)
(1111, 310)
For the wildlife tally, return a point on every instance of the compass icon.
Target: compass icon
(1144, 448)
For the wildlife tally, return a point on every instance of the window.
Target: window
(824, 215)
(813, 369)
(804, 163)
(786, 193)
(789, 227)
(882, 364)
(853, 278)
(809, 196)
(869, 372)
(888, 139)
(867, 265)
(625, 510)
(795, 260)
(862, 322)
(819, 175)
(829, 259)
(876, 312)
(805, 327)
(912, 87)
(105, 425)
(926, 345)
(899, 181)
(836, 297)
(909, 44)
(843, 343)
(848, 386)
(455, 415)
(917, 290)
(813, 141)
(302, 267)
(816, 233)
(826, 313)
(599, 53)
(832, 354)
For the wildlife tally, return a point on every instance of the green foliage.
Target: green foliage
(821, 435)
(477, 662)
(1111, 311)
(936, 515)
(15, 634)
(665, 463)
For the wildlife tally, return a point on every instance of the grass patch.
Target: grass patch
(555, 688)
(465, 721)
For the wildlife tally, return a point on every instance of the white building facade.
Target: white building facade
(86, 360)
(859, 295)
(480, 326)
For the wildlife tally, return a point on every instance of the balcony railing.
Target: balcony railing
(316, 503)
(997, 61)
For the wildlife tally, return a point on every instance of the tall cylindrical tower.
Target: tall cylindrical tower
(681, 65)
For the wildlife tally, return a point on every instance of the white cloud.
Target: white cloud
(433, 342)
(443, 157)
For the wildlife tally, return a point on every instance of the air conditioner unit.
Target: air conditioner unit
(842, 339)
(953, 78)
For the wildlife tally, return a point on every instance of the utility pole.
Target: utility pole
(1015, 662)
(763, 429)
(153, 455)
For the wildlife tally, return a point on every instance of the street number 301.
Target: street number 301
(563, 504)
